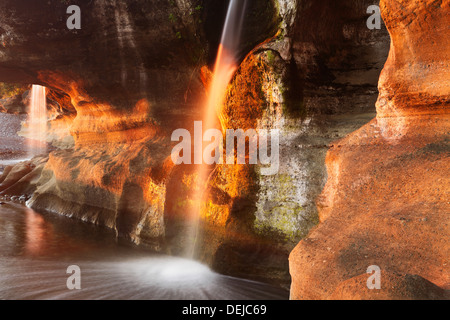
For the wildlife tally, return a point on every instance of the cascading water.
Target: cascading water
(225, 66)
(37, 121)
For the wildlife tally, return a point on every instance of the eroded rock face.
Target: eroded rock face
(132, 75)
(386, 199)
(132, 85)
(126, 81)
(416, 78)
(340, 59)
(122, 78)
(20, 181)
(322, 85)
(118, 58)
(279, 86)
(395, 287)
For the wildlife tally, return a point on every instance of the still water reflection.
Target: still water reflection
(35, 251)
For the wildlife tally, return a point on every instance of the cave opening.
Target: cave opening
(117, 89)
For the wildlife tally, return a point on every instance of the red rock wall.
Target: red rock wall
(386, 199)
(416, 77)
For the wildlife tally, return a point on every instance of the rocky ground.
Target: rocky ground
(12, 146)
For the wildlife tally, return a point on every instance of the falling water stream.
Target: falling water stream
(37, 120)
(225, 66)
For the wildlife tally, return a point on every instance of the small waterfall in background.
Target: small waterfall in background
(37, 121)
(224, 69)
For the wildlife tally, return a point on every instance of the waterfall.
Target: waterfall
(37, 121)
(225, 66)
(226, 61)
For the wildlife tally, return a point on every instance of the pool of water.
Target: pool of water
(36, 250)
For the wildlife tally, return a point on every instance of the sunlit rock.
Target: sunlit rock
(385, 201)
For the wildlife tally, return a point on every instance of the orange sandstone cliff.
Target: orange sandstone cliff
(386, 201)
